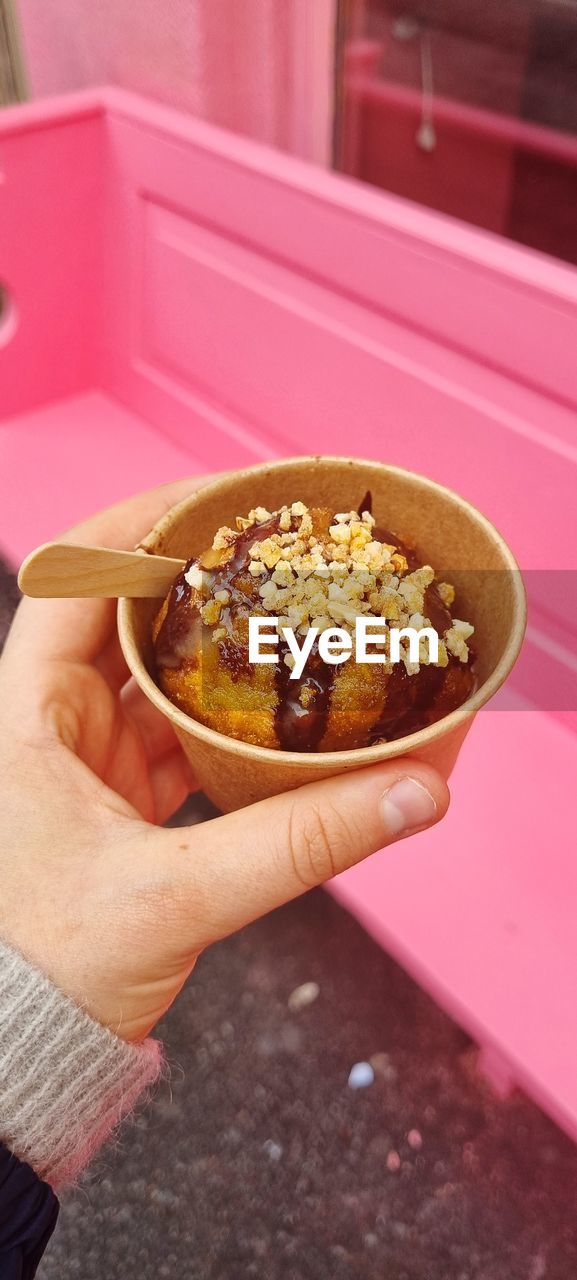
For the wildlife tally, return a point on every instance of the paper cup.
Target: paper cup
(448, 532)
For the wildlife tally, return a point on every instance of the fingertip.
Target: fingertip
(412, 802)
(434, 783)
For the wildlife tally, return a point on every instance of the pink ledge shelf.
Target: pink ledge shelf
(179, 300)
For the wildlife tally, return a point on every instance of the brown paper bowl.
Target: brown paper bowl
(449, 533)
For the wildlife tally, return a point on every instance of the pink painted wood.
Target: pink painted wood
(181, 300)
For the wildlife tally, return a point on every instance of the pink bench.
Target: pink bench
(181, 300)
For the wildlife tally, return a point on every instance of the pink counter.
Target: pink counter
(180, 300)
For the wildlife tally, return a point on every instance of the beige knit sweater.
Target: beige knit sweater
(65, 1080)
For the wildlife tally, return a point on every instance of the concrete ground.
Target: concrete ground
(259, 1159)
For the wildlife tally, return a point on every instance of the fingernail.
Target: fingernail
(407, 806)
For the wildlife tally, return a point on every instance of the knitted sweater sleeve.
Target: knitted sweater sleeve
(65, 1080)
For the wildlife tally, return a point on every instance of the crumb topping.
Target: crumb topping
(311, 577)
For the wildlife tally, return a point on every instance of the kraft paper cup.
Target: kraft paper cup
(449, 533)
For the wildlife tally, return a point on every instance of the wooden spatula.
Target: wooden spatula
(62, 569)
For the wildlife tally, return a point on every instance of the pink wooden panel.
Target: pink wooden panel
(482, 909)
(51, 183)
(474, 291)
(60, 463)
(327, 372)
(216, 312)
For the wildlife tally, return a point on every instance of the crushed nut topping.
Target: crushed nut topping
(326, 579)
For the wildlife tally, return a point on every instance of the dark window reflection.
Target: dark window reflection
(468, 106)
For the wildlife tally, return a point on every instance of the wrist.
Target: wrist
(65, 1080)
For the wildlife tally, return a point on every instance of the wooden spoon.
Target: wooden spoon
(63, 569)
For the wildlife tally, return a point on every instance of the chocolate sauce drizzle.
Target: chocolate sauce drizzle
(233, 577)
(411, 701)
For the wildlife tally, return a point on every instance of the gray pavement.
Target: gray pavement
(261, 1161)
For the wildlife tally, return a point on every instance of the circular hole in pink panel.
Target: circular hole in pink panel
(7, 314)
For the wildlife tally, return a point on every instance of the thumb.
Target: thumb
(235, 868)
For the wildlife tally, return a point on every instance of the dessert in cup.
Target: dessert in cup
(255, 655)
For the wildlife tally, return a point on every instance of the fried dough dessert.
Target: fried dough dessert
(309, 567)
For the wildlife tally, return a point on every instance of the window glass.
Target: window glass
(467, 106)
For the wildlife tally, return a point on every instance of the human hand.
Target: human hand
(111, 906)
